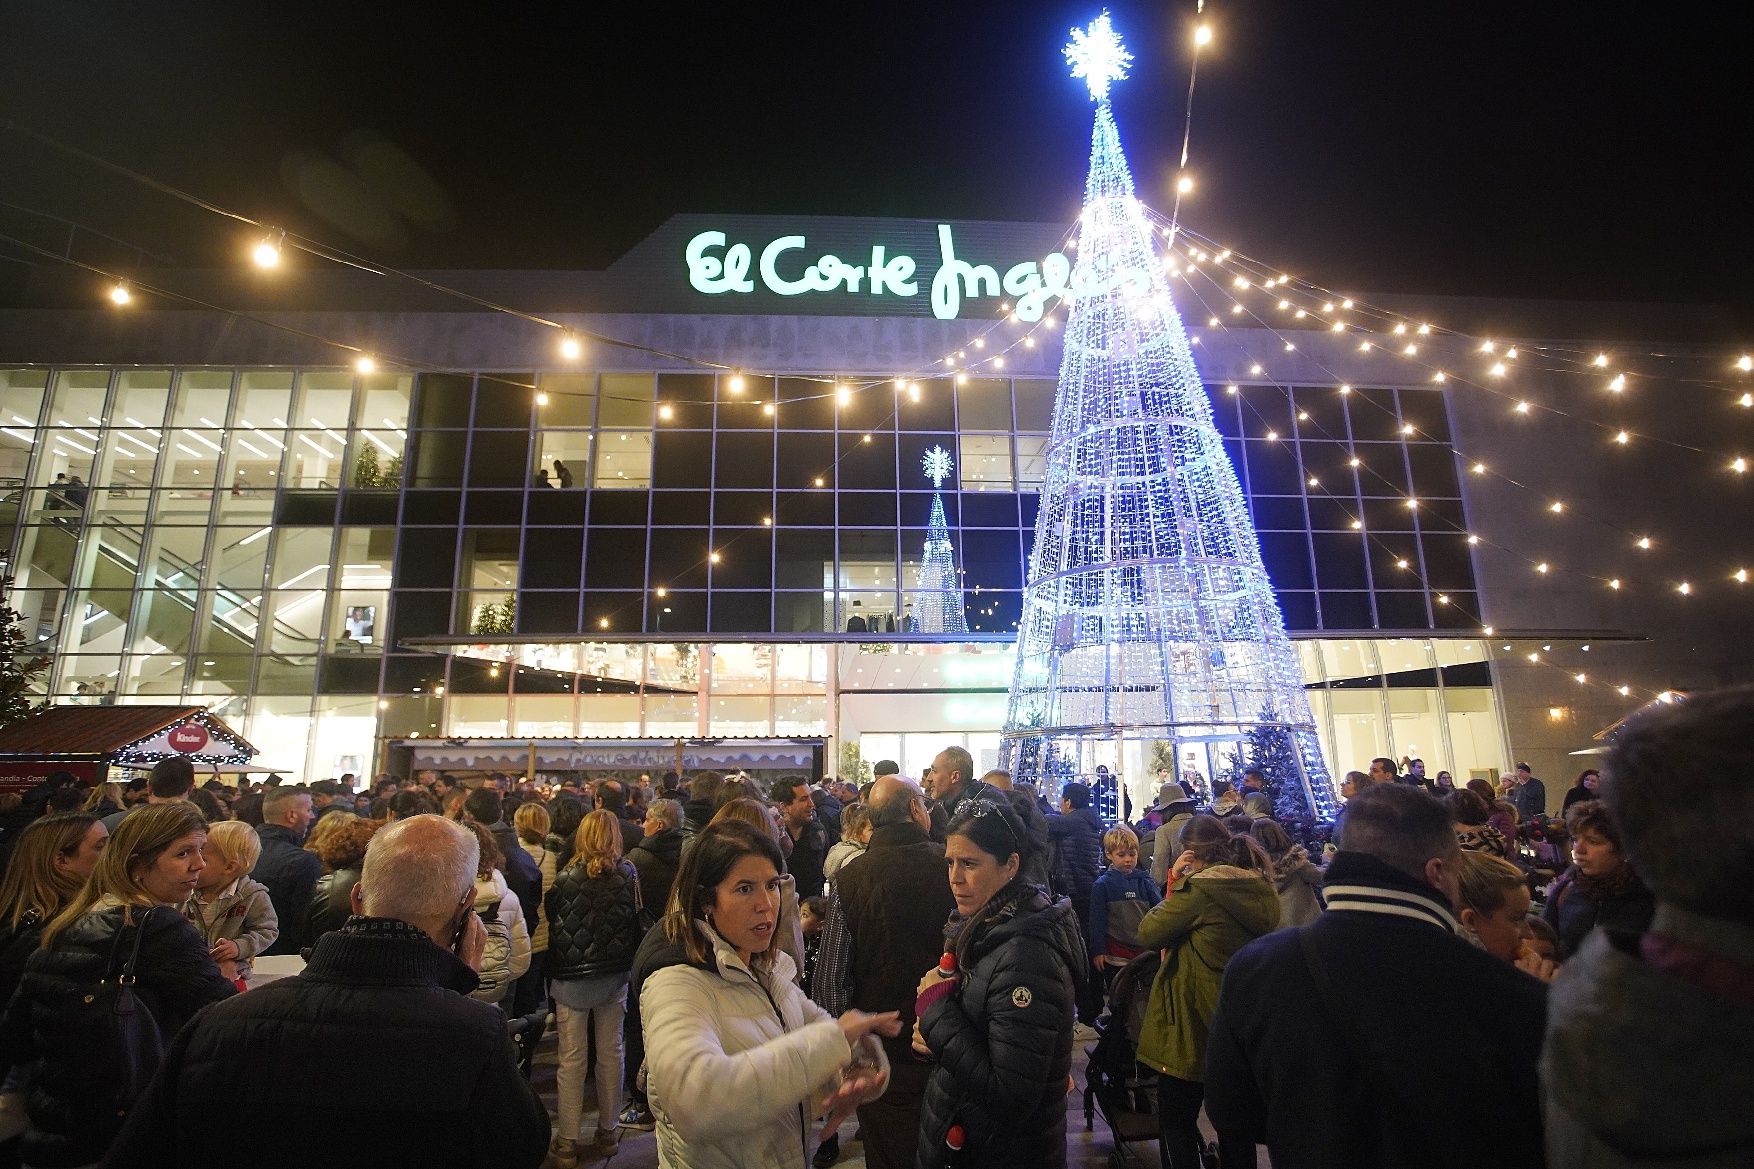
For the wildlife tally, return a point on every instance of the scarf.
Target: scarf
(1606, 888)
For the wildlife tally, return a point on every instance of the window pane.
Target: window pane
(624, 459)
(572, 399)
(325, 399)
(986, 462)
(627, 400)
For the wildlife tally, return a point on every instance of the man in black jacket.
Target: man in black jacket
(885, 929)
(522, 875)
(289, 872)
(791, 795)
(381, 995)
(612, 797)
(658, 854)
(1344, 1045)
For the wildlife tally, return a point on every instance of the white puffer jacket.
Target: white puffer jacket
(736, 1062)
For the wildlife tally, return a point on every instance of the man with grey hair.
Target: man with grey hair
(1366, 995)
(659, 853)
(385, 993)
(885, 928)
(950, 781)
(1646, 1058)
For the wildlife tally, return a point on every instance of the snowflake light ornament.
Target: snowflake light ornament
(936, 464)
(1097, 55)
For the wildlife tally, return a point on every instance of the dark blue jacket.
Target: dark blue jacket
(380, 1015)
(1409, 1072)
(1132, 894)
(1077, 838)
(290, 873)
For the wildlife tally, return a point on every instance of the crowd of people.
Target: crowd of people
(761, 971)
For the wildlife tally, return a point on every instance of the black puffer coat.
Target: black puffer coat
(1003, 1040)
(593, 922)
(657, 857)
(73, 1116)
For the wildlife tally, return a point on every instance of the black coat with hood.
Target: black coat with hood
(1003, 1038)
(657, 857)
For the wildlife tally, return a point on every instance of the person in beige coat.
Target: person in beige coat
(739, 1060)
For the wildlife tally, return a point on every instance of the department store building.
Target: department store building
(485, 553)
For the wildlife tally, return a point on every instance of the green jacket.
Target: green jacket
(1207, 917)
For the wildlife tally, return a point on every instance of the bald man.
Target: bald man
(885, 929)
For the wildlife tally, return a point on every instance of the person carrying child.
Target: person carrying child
(231, 911)
(1121, 897)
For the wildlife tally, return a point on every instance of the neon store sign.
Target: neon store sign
(717, 266)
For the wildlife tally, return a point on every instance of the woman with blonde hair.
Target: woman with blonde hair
(326, 829)
(104, 799)
(532, 822)
(132, 900)
(593, 933)
(789, 931)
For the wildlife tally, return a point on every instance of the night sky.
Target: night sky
(1567, 150)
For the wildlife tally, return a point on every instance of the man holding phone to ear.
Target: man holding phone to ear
(386, 993)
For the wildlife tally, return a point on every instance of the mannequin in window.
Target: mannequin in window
(909, 623)
(856, 623)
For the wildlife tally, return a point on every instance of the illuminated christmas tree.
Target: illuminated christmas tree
(938, 594)
(1148, 617)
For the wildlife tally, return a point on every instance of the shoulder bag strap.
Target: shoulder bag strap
(127, 976)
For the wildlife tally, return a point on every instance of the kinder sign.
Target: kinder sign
(188, 738)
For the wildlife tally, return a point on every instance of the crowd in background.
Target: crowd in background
(762, 970)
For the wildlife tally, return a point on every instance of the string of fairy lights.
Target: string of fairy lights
(1251, 287)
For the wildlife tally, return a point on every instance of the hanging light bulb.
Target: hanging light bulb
(570, 348)
(1184, 184)
(1745, 363)
(267, 252)
(365, 363)
(119, 293)
(735, 385)
(1203, 35)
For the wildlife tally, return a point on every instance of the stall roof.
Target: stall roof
(92, 730)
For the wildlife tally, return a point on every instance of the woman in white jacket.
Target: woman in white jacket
(739, 1059)
(507, 955)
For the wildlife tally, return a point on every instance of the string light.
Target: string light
(735, 385)
(119, 293)
(1622, 438)
(570, 348)
(1745, 363)
(365, 363)
(1644, 543)
(665, 413)
(267, 252)
(541, 398)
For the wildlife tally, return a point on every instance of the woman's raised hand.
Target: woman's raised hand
(855, 1025)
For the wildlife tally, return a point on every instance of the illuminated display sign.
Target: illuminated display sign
(786, 265)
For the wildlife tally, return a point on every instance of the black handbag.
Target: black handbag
(120, 1021)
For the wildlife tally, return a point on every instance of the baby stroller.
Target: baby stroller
(1115, 1082)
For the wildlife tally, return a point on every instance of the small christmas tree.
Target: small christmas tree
(19, 662)
(365, 467)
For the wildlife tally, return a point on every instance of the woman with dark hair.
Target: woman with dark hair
(565, 814)
(1583, 789)
(1471, 817)
(789, 930)
(137, 889)
(999, 1025)
(1297, 880)
(738, 1058)
(1221, 898)
(1599, 888)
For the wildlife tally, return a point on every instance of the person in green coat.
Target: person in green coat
(1221, 897)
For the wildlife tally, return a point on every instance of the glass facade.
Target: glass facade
(301, 549)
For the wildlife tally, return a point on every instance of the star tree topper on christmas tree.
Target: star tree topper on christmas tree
(1097, 55)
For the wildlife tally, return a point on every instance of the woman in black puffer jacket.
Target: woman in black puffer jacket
(145, 875)
(1001, 1027)
(593, 934)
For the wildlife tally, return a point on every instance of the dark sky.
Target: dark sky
(1579, 150)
